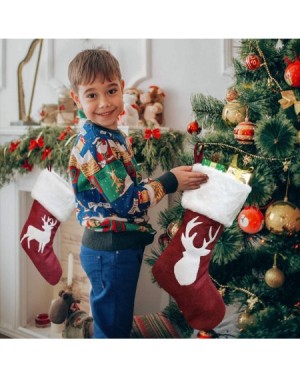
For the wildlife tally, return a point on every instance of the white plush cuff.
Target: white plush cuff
(55, 194)
(220, 199)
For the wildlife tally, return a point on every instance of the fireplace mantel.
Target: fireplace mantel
(23, 293)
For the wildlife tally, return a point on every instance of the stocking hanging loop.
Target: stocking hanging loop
(198, 152)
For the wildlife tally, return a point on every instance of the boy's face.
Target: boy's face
(101, 102)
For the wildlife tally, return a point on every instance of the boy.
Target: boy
(111, 198)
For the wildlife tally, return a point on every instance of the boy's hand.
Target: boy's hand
(188, 180)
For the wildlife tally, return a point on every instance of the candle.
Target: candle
(70, 270)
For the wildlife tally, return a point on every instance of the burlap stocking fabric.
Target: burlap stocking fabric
(183, 268)
(53, 203)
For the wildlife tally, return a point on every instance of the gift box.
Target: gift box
(242, 175)
(212, 164)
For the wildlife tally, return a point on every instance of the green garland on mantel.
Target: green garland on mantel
(50, 146)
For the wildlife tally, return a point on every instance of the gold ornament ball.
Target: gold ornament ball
(173, 227)
(234, 113)
(282, 216)
(274, 277)
(297, 107)
(245, 319)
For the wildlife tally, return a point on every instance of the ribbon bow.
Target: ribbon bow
(46, 152)
(288, 99)
(14, 146)
(149, 133)
(36, 143)
(26, 165)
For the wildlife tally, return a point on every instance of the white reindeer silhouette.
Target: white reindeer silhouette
(187, 267)
(42, 237)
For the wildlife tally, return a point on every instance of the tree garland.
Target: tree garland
(50, 146)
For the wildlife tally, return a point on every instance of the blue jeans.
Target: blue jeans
(113, 276)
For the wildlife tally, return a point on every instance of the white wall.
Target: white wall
(180, 66)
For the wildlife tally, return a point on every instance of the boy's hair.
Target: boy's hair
(92, 63)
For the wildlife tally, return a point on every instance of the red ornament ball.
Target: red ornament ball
(193, 127)
(231, 94)
(292, 74)
(164, 240)
(244, 132)
(211, 334)
(252, 62)
(251, 220)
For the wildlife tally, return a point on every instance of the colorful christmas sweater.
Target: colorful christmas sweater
(110, 193)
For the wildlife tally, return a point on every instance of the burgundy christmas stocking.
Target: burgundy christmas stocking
(53, 204)
(182, 270)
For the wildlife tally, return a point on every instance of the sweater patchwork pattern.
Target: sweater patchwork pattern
(109, 190)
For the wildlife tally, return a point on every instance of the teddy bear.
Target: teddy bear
(153, 114)
(152, 106)
(130, 115)
(157, 94)
(65, 309)
(134, 91)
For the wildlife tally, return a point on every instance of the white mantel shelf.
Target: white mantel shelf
(13, 132)
(16, 130)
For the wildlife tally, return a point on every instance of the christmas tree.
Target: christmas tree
(253, 136)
